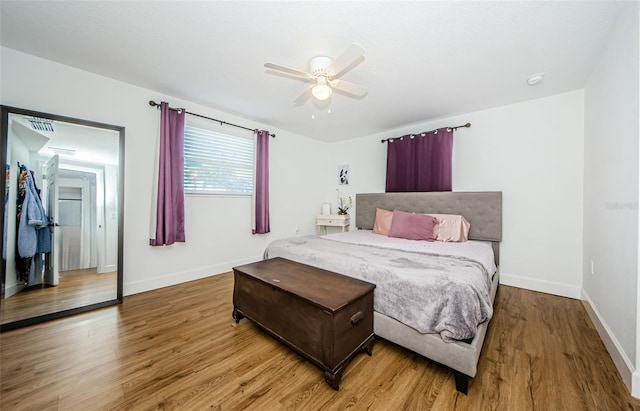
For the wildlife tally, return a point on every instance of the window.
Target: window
(217, 163)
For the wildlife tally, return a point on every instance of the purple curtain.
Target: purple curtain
(169, 219)
(261, 198)
(420, 162)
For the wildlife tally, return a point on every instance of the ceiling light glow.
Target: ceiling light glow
(535, 79)
(321, 91)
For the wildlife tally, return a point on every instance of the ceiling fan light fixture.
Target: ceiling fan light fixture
(321, 91)
(325, 74)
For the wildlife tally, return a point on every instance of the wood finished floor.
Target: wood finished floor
(178, 348)
(76, 288)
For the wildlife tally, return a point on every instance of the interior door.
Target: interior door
(51, 273)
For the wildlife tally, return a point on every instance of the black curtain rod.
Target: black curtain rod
(154, 104)
(427, 132)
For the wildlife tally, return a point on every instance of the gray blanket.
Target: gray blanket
(430, 293)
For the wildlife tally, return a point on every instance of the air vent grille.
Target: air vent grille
(41, 124)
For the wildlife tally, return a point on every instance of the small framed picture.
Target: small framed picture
(343, 175)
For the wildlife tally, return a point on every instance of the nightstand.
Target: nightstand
(332, 220)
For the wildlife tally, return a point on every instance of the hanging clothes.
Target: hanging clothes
(33, 232)
(23, 265)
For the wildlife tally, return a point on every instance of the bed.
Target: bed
(457, 347)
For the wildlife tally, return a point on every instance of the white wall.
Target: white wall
(218, 230)
(533, 153)
(611, 193)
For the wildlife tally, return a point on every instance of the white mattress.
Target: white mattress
(480, 251)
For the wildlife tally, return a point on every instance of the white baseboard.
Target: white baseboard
(106, 268)
(543, 286)
(13, 289)
(627, 371)
(135, 287)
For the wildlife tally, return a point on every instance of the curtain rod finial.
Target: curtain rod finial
(153, 103)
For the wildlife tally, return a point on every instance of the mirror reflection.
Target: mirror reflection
(61, 218)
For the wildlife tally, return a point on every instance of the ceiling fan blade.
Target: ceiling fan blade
(353, 55)
(349, 88)
(303, 97)
(288, 70)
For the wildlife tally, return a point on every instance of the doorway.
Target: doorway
(76, 220)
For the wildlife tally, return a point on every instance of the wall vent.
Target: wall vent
(41, 124)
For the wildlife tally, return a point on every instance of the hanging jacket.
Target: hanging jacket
(44, 233)
(33, 232)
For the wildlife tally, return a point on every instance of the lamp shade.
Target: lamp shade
(321, 91)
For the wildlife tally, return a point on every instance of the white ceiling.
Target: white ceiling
(423, 60)
(90, 144)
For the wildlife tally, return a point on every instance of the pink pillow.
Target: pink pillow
(382, 224)
(412, 226)
(451, 228)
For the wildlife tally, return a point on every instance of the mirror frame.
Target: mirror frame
(4, 124)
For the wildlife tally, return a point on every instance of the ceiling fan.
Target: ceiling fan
(324, 74)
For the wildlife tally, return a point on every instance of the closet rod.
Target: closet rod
(427, 132)
(154, 104)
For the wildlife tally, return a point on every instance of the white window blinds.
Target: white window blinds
(217, 163)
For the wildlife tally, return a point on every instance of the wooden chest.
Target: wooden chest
(324, 316)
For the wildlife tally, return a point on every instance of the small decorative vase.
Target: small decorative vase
(342, 213)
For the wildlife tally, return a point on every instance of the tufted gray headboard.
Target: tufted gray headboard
(483, 210)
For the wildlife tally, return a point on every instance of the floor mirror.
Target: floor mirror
(62, 216)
